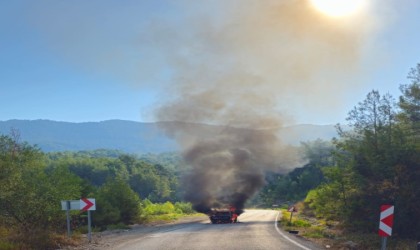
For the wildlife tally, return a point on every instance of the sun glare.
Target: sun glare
(339, 8)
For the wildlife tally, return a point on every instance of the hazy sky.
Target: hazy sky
(96, 60)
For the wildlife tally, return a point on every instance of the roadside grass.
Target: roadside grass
(63, 240)
(11, 239)
(149, 213)
(4, 241)
(161, 217)
(371, 241)
(165, 218)
(330, 234)
(7, 245)
(306, 228)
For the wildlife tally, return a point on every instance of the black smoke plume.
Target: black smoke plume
(228, 165)
(241, 70)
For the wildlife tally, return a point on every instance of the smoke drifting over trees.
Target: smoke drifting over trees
(249, 66)
(229, 168)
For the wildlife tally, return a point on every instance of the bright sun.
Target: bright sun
(339, 8)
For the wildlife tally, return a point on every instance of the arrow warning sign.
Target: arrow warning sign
(87, 204)
(386, 220)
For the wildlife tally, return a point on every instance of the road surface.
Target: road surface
(256, 230)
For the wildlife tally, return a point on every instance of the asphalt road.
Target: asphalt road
(256, 230)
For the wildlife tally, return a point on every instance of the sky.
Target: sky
(81, 61)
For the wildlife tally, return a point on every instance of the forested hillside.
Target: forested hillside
(127, 190)
(375, 162)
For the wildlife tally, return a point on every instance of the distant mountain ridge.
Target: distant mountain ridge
(128, 136)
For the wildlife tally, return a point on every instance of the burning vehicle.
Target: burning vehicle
(224, 216)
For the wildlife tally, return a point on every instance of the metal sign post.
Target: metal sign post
(68, 218)
(88, 205)
(89, 227)
(383, 247)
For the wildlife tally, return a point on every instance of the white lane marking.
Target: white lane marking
(287, 238)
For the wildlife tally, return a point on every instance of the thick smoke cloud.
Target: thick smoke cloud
(228, 168)
(246, 69)
(227, 164)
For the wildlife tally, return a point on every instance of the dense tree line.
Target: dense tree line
(127, 190)
(376, 161)
(145, 175)
(294, 186)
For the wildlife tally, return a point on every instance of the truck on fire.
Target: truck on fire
(218, 216)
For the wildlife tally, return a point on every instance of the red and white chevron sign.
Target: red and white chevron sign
(87, 204)
(386, 220)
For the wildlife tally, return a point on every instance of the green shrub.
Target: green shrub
(164, 211)
(164, 217)
(285, 215)
(185, 208)
(301, 223)
(159, 208)
(116, 202)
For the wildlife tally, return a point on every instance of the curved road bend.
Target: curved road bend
(256, 230)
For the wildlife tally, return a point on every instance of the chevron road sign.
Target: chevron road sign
(84, 204)
(87, 204)
(386, 220)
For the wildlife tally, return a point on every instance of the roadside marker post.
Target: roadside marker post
(386, 222)
(291, 210)
(68, 218)
(89, 227)
(84, 204)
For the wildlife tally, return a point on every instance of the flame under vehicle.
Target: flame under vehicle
(224, 216)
